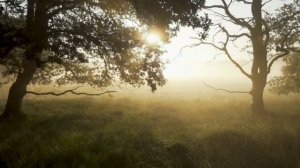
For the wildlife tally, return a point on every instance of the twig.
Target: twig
(225, 90)
(184, 47)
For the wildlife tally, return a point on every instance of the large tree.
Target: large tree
(93, 42)
(265, 36)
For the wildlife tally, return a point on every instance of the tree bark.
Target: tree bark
(259, 79)
(257, 93)
(18, 90)
(259, 70)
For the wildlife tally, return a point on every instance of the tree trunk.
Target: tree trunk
(258, 86)
(36, 29)
(259, 70)
(18, 90)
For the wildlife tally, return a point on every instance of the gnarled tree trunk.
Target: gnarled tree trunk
(36, 30)
(18, 90)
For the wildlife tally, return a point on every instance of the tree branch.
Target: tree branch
(231, 18)
(245, 2)
(72, 91)
(235, 19)
(225, 50)
(230, 57)
(239, 35)
(285, 19)
(285, 52)
(225, 90)
(265, 3)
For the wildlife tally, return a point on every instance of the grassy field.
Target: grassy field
(152, 133)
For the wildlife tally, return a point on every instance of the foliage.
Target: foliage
(289, 81)
(285, 27)
(97, 43)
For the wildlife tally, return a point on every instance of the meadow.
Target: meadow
(135, 132)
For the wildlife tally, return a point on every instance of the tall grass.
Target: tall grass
(148, 133)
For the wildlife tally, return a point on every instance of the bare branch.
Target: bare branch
(184, 47)
(221, 16)
(229, 4)
(225, 50)
(230, 57)
(212, 44)
(286, 37)
(225, 90)
(265, 3)
(239, 35)
(72, 91)
(235, 19)
(285, 52)
(245, 2)
(214, 6)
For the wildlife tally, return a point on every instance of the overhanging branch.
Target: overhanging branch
(224, 90)
(72, 91)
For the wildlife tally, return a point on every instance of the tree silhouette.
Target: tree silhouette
(90, 42)
(270, 35)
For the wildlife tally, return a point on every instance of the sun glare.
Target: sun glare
(153, 38)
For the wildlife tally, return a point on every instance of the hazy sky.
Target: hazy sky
(198, 63)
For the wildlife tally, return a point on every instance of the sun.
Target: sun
(153, 38)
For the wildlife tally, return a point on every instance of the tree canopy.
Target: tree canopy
(92, 42)
(87, 42)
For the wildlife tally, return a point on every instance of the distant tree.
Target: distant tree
(271, 36)
(289, 81)
(91, 42)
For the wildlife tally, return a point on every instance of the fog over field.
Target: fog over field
(183, 81)
(187, 83)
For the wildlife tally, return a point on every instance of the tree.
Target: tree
(90, 42)
(270, 35)
(289, 81)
